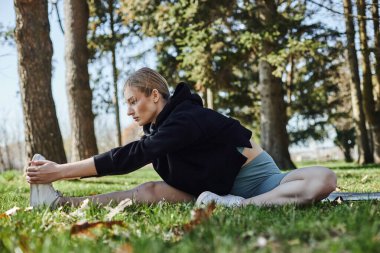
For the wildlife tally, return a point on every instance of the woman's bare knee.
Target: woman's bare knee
(320, 186)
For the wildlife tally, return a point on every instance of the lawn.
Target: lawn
(323, 227)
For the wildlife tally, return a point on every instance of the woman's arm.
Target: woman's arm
(42, 172)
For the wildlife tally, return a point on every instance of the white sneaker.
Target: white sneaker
(227, 200)
(43, 194)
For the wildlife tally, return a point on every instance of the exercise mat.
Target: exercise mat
(353, 196)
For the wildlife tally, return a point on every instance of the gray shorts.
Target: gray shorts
(257, 177)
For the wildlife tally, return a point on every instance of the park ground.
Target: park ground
(322, 227)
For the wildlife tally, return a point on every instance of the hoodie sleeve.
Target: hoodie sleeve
(175, 133)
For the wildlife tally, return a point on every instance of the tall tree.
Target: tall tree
(274, 137)
(372, 116)
(376, 33)
(42, 133)
(110, 42)
(342, 119)
(77, 80)
(365, 154)
(115, 74)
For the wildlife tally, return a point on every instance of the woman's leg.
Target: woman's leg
(301, 186)
(150, 192)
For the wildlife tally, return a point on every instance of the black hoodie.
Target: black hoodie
(191, 147)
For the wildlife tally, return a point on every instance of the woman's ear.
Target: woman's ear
(156, 95)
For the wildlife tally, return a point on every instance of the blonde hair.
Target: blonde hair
(146, 80)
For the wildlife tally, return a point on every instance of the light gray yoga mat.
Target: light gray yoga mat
(353, 196)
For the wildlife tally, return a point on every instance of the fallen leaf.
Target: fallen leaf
(120, 207)
(197, 216)
(261, 241)
(364, 179)
(12, 211)
(376, 238)
(23, 242)
(124, 248)
(80, 212)
(294, 242)
(3, 215)
(84, 228)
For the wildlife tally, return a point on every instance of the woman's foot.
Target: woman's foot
(43, 194)
(227, 200)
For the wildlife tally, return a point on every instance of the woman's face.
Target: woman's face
(143, 109)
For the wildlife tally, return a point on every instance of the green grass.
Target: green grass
(323, 227)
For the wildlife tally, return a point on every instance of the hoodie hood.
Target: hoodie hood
(181, 94)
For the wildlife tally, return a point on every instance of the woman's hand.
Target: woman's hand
(43, 172)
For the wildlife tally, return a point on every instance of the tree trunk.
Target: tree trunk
(365, 154)
(274, 137)
(210, 98)
(115, 72)
(347, 155)
(376, 32)
(372, 116)
(42, 133)
(2, 164)
(77, 80)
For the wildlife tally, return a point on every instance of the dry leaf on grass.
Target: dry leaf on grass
(84, 228)
(197, 217)
(80, 212)
(124, 248)
(10, 212)
(261, 241)
(364, 179)
(3, 215)
(120, 207)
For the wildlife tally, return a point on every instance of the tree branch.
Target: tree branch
(338, 12)
(55, 4)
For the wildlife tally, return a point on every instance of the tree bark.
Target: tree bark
(115, 72)
(376, 32)
(365, 154)
(42, 133)
(274, 137)
(77, 80)
(372, 116)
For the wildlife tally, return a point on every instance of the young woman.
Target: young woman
(198, 153)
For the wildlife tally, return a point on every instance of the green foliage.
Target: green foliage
(7, 36)
(217, 45)
(348, 227)
(102, 42)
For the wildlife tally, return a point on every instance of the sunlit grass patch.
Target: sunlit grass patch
(322, 227)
